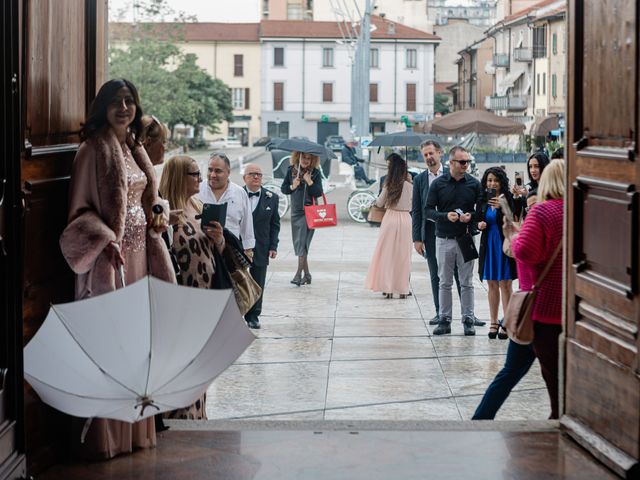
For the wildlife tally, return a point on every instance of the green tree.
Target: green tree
(171, 84)
(441, 103)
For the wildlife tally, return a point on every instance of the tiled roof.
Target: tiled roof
(385, 29)
(203, 32)
(443, 87)
(251, 32)
(523, 13)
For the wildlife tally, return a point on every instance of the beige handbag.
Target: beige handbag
(245, 288)
(375, 214)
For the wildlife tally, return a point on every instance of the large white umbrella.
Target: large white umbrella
(141, 350)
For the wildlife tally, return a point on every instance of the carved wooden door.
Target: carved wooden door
(12, 438)
(602, 387)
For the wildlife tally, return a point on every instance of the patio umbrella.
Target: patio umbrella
(463, 122)
(141, 350)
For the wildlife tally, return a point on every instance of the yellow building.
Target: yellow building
(229, 52)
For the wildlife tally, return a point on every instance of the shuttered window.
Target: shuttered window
(278, 57)
(238, 66)
(246, 99)
(278, 96)
(411, 97)
(373, 92)
(327, 92)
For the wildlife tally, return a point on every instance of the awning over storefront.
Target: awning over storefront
(543, 125)
(508, 82)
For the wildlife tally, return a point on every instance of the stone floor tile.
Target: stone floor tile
(376, 348)
(520, 405)
(295, 327)
(457, 346)
(355, 383)
(253, 390)
(380, 327)
(437, 409)
(281, 350)
(472, 375)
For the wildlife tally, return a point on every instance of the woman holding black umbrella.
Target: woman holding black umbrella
(303, 181)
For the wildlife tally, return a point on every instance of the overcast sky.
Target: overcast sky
(204, 10)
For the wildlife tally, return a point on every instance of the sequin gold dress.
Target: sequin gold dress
(110, 194)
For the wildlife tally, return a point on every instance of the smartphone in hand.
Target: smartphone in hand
(491, 193)
(519, 178)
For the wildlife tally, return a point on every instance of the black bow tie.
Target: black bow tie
(254, 194)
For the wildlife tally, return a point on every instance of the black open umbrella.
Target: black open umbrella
(301, 145)
(402, 139)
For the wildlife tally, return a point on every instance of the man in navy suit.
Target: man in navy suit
(423, 230)
(266, 228)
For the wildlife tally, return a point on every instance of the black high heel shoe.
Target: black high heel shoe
(493, 330)
(388, 295)
(502, 332)
(297, 279)
(306, 280)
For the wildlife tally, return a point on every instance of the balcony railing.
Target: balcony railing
(500, 60)
(539, 51)
(507, 102)
(523, 54)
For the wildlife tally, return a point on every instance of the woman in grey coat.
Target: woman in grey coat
(303, 181)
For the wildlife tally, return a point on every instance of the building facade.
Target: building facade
(455, 35)
(475, 78)
(481, 13)
(306, 80)
(231, 53)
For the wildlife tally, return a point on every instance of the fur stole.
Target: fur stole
(98, 202)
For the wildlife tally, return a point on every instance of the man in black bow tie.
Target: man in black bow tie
(266, 228)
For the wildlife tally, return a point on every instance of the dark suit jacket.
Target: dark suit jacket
(423, 230)
(266, 227)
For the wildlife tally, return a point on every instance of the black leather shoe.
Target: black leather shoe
(435, 320)
(467, 323)
(478, 323)
(444, 327)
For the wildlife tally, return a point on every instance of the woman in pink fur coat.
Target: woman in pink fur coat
(113, 189)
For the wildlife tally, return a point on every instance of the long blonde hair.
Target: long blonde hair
(551, 185)
(173, 184)
(295, 160)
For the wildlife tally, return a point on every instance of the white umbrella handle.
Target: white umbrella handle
(121, 272)
(85, 429)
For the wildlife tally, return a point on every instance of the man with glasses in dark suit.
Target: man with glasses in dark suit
(266, 228)
(451, 204)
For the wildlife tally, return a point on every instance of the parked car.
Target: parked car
(225, 142)
(334, 142)
(262, 142)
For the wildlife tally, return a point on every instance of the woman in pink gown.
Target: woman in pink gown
(390, 265)
(113, 189)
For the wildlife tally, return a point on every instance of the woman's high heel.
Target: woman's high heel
(297, 279)
(388, 295)
(493, 330)
(502, 332)
(306, 280)
(403, 296)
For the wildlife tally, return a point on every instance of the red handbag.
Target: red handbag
(319, 216)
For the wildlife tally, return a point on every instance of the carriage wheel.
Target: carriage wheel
(357, 201)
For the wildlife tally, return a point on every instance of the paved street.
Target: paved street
(334, 351)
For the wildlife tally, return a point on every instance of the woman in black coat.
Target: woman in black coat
(494, 266)
(303, 181)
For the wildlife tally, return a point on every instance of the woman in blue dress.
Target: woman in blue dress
(494, 266)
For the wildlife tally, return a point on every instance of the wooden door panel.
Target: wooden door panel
(56, 71)
(602, 375)
(610, 66)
